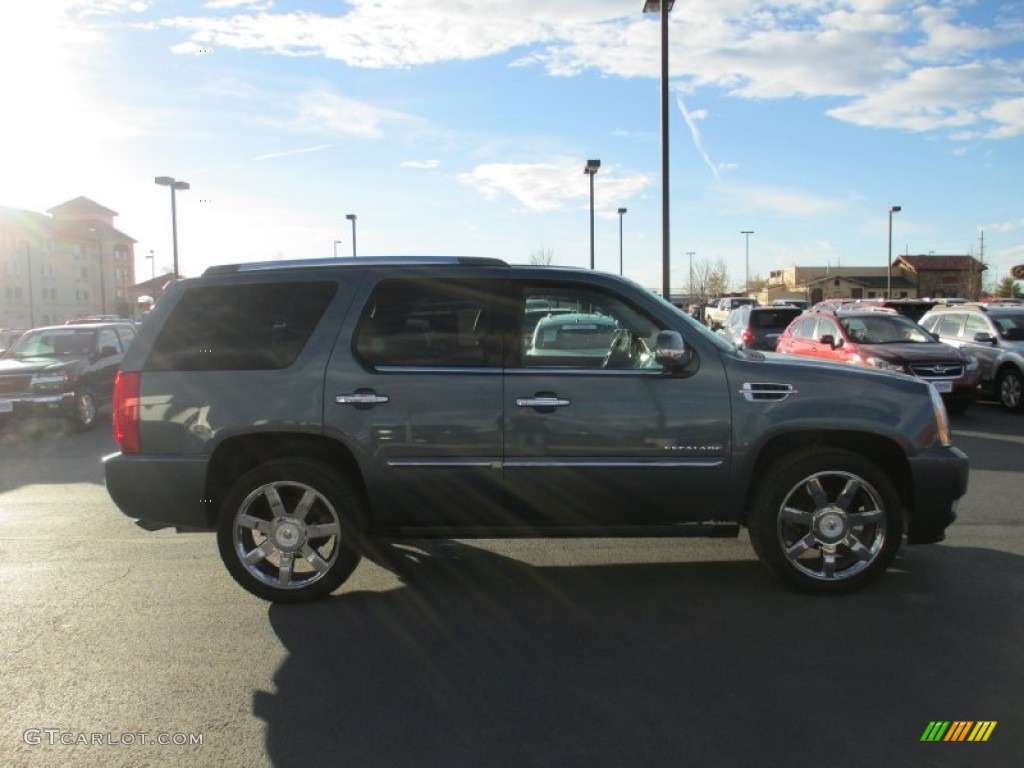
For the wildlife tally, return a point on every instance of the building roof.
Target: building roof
(868, 281)
(81, 208)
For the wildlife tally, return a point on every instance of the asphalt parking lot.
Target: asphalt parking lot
(125, 647)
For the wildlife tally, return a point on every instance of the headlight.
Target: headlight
(941, 418)
(885, 365)
(49, 382)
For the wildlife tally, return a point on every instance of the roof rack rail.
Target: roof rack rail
(257, 266)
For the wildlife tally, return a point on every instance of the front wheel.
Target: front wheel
(1009, 388)
(827, 521)
(85, 409)
(287, 531)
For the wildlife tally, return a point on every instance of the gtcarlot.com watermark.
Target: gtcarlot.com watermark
(52, 737)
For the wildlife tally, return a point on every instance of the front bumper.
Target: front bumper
(60, 402)
(939, 479)
(168, 490)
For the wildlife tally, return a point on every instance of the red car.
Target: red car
(886, 340)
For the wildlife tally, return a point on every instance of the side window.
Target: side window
(255, 326)
(433, 323)
(827, 328)
(804, 329)
(126, 334)
(108, 338)
(949, 326)
(974, 325)
(572, 327)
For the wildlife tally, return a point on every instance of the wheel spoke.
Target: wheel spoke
(797, 516)
(849, 493)
(817, 493)
(313, 558)
(274, 500)
(262, 552)
(857, 548)
(802, 545)
(284, 571)
(870, 517)
(828, 565)
(304, 505)
(254, 524)
(324, 529)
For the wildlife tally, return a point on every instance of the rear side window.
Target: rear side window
(240, 327)
(433, 323)
(949, 325)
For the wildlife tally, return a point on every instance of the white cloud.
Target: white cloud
(550, 186)
(426, 165)
(323, 110)
(287, 152)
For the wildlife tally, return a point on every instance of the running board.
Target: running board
(679, 530)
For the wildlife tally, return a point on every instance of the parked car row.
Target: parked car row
(962, 348)
(63, 370)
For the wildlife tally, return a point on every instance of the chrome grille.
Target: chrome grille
(938, 370)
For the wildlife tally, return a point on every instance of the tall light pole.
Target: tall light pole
(336, 244)
(621, 212)
(591, 170)
(888, 264)
(352, 217)
(747, 233)
(152, 264)
(663, 7)
(689, 287)
(175, 185)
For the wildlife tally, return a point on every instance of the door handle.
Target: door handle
(545, 401)
(361, 398)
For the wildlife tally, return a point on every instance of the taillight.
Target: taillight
(126, 411)
(747, 336)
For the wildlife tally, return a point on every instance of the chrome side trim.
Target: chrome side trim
(612, 463)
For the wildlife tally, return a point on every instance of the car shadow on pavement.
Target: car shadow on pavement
(478, 659)
(50, 450)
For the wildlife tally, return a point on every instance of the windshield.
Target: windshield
(885, 329)
(53, 342)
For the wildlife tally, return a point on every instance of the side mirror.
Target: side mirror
(829, 339)
(670, 351)
(984, 338)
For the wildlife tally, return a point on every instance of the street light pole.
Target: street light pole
(591, 169)
(152, 264)
(689, 287)
(663, 7)
(747, 233)
(621, 212)
(888, 264)
(352, 217)
(175, 185)
(336, 244)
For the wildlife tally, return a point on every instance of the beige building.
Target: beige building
(68, 262)
(911, 277)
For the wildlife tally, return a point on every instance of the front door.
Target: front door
(596, 433)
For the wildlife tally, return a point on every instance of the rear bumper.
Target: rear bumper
(160, 489)
(939, 480)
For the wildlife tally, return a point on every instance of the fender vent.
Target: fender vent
(759, 392)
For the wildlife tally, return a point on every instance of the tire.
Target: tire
(84, 410)
(1009, 388)
(295, 513)
(827, 521)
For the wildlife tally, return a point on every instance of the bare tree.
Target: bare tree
(718, 278)
(543, 256)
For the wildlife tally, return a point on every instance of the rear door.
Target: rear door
(415, 387)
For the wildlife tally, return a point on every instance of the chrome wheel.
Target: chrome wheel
(826, 519)
(831, 525)
(286, 535)
(85, 409)
(287, 532)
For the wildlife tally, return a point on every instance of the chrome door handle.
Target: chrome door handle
(361, 398)
(542, 402)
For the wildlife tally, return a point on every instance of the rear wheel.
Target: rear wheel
(288, 531)
(1009, 388)
(826, 520)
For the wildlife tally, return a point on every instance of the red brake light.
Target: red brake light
(126, 411)
(747, 336)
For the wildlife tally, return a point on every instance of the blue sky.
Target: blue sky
(463, 127)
